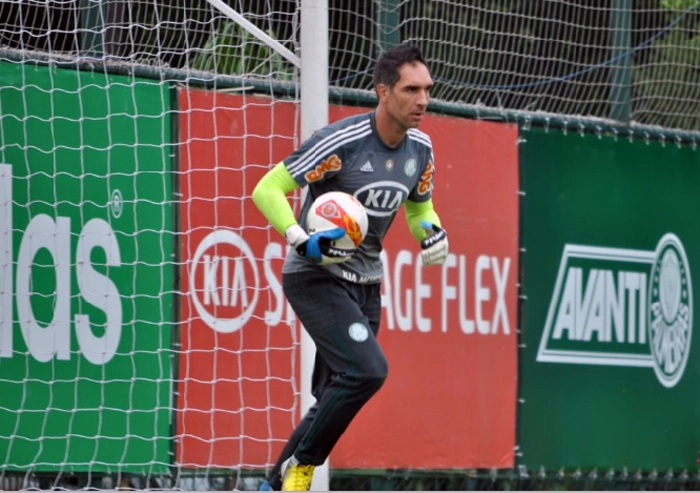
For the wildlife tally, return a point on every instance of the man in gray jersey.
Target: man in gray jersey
(383, 160)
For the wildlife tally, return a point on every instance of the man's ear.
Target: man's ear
(382, 92)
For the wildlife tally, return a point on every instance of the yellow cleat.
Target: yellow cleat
(297, 477)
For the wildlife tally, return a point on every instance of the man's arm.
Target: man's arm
(418, 212)
(425, 226)
(270, 197)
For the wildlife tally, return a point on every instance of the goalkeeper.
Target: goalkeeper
(381, 158)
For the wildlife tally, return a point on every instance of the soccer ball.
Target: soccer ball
(338, 210)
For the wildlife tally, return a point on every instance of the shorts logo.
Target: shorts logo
(621, 307)
(358, 332)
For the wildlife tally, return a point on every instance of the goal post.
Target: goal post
(314, 115)
(132, 256)
(313, 64)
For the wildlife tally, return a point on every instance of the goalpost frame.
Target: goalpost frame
(314, 115)
(313, 65)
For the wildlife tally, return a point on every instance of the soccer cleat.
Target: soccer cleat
(265, 486)
(297, 477)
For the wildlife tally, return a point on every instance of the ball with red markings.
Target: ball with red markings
(338, 210)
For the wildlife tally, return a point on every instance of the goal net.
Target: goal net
(144, 337)
(633, 62)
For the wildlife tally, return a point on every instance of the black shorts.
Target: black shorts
(342, 318)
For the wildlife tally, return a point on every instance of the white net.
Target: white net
(630, 61)
(627, 61)
(144, 340)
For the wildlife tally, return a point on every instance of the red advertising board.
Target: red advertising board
(449, 332)
(236, 400)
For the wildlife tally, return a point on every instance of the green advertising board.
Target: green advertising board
(86, 284)
(609, 371)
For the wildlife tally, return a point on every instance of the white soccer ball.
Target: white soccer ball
(338, 210)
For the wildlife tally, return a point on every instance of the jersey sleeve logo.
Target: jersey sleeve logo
(425, 184)
(333, 163)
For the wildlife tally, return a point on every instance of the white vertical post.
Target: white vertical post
(314, 66)
(314, 115)
(7, 284)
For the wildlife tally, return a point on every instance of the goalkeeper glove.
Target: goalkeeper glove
(318, 247)
(435, 245)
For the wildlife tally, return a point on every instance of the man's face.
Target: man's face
(407, 102)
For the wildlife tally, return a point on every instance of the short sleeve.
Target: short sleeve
(321, 156)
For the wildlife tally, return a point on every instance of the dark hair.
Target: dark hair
(387, 69)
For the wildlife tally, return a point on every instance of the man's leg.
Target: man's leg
(274, 478)
(320, 379)
(332, 313)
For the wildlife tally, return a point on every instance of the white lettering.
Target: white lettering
(370, 279)
(405, 300)
(211, 288)
(465, 323)
(46, 341)
(100, 291)
(274, 316)
(482, 294)
(387, 297)
(500, 279)
(584, 309)
(566, 314)
(239, 284)
(423, 291)
(373, 198)
(631, 286)
(397, 201)
(225, 289)
(403, 316)
(449, 291)
(606, 312)
(386, 200)
(594, 321)
(54, 339)
(642, 304)
(614, 313)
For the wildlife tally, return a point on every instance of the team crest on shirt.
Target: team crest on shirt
(410, 167)
(389, 164)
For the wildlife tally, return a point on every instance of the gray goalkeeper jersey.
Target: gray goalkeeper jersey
(349, 156)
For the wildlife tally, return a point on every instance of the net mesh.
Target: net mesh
(113, 370)
(131, 258)
(631, 61)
